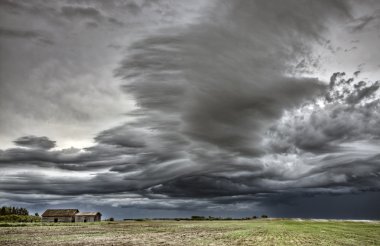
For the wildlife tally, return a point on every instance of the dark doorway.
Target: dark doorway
(55, 220)
(85, 220)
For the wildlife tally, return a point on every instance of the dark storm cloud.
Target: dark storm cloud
(35, 142)
(122, 137)
(224, 101)
(14, 7)
(350, 113)
(222, 116)
(24, 34)
(367, 21)
(363, 93)
(41, 184)
(82, 12)
(18, 33)
(10, 4)
(37, 9)
(362, 23)
(90, 13)
(92, 158)
(196, 96)
(341, 174)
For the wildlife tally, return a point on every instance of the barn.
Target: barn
(88, 217)
(59, 215)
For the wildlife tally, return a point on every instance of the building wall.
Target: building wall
(98, 218)
(59, 219)
(87, 218)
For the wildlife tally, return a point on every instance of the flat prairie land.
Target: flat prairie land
(234, 232)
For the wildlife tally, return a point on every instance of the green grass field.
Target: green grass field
(235, 232)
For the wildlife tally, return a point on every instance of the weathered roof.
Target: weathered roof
(88, 214)
(60, 212)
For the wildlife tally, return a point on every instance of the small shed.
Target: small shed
(59, 215)
(88, 217)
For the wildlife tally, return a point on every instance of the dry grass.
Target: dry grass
(253, 232)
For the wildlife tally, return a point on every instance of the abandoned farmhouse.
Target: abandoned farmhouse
(70, 215)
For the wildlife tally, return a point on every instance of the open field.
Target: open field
(249, 232)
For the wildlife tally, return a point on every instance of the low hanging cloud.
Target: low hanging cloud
(35, 142)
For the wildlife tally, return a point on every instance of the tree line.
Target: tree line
(13, 210)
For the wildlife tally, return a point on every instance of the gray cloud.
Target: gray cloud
(90, 13)
(35, 142)
(195, 76)
(18, 34)
(25, 34)
(224, 115)
(362, 22)
(348, 113)
(82, 12)
(12, 6)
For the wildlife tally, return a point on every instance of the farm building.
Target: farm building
(88, 217)
(59, 215)
(70, 215)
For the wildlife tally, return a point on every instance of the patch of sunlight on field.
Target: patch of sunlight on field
(250, 232)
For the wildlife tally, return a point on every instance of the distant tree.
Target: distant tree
(196, 217)
(13, 210)
(111, 219)
(254, 217)
(2, 211)
(264, 216)
(36, 214)
(19, 218)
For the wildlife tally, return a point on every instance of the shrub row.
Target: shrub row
(19, 218)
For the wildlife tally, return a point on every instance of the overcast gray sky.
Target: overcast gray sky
(162, 108)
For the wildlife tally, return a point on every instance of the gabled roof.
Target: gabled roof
(60, 212)
(88, 214)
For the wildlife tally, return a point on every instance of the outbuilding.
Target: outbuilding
(88, 217)
(59, 215)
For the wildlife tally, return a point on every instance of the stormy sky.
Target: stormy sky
(167, 108)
